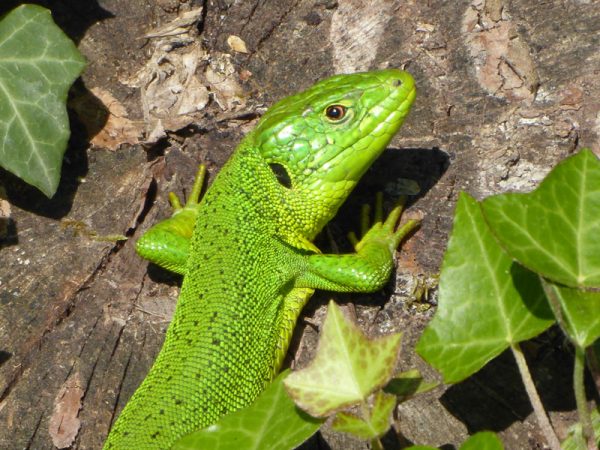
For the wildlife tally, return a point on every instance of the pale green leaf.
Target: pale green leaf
(486, 301)
(375, 425)
(273, 422)
(346, 369)
(554, 230)
(38, 64)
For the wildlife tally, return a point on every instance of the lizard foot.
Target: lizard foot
(194, 197)
(383, 231)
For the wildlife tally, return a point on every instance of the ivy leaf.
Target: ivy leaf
(38, 64)
(375, 425)
(408, 384)
(579, 309)
(346, 369)
(554, 230)
(487, 302)
(273, 422)
(575, 441)
(484, 440)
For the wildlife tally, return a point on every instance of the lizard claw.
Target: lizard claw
(194, 197)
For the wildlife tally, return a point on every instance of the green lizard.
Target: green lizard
(247, 256)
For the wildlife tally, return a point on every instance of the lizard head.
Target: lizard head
(319, 143)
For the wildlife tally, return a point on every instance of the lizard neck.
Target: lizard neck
(290, 213)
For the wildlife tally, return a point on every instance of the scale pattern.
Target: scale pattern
(250, 265)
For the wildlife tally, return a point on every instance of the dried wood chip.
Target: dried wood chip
(64, 423)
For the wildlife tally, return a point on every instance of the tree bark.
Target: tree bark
(506, 89)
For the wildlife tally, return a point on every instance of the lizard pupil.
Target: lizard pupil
(335, 112)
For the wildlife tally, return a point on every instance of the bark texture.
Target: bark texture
(506, 90)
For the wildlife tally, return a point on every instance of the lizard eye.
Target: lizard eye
(335, 112)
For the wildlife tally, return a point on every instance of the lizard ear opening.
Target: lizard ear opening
(281, 174)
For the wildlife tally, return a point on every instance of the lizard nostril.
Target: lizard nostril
(396, 83)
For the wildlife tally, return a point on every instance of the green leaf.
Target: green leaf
(579, 310)
(38, 64)
(486, 301)
(346, 369)
(375, 425)
(408, 384)
(574, 440)
(273, 422)
(554, 230)
(484, 440)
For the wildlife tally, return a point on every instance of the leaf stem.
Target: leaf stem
(534, 398)
(366, 416)
(593, 365)
(376, 444)
(555, 306)
(579, 388)
(365, 413)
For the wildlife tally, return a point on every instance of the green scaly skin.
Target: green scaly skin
(246, 253)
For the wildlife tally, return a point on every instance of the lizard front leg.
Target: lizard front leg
(370, 267)
(167, 243)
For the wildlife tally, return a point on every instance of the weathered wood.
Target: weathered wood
(506, 90)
